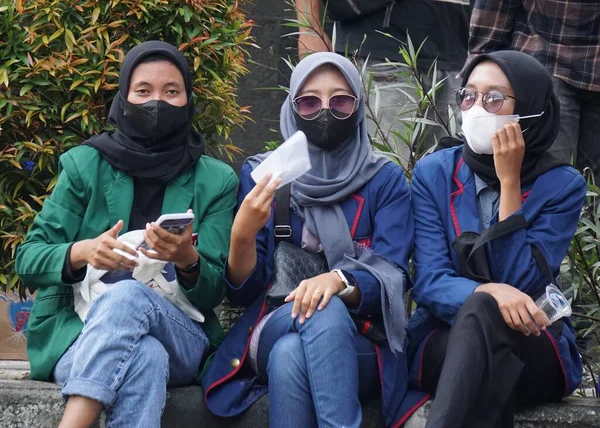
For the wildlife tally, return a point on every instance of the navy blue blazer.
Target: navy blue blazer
(445, 204)
(379, 215)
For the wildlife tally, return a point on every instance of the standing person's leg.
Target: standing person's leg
(588, 150)
(313, 368)
(133, 340)
(565, 145)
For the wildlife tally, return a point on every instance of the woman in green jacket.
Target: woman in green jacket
(134, 342)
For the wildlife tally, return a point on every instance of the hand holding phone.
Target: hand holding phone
(175, 223)
(171, 239)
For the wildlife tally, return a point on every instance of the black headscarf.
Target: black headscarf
(532, 86)
(135, 154)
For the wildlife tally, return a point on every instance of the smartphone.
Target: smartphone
(175, 223)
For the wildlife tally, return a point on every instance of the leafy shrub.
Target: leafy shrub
(581, 273)
(59, 73)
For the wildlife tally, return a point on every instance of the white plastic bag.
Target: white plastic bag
(289, 161)
(158, 275)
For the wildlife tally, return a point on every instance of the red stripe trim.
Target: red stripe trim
(412, 410)
(365, 328)
(380, 366)
(458, 192)
(361, 204)
(421, 358)
(524, 196)
(560, 361)
(237, 369)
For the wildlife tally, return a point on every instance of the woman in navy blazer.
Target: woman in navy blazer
(355, 207)
(493, 221)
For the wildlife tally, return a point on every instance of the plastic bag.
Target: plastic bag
(156, 274)
(288, 162)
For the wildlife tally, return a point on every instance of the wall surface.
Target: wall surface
(267, 69)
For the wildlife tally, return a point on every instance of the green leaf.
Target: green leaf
(69, 40)
(95, 14)
(25, 89)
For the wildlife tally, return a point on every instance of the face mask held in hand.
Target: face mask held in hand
(326, 131)
(479, 126)
(155, 119)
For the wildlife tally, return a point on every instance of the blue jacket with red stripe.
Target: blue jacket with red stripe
(379, 216)
(444, 203)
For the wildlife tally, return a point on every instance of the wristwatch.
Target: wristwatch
(191, 268)
(348, 281)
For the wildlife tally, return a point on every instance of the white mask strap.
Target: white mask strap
(531, 116)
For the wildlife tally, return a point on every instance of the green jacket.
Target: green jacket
(90, 197)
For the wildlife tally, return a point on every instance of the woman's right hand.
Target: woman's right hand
(255, 210)
(99, 252)
(518, 309)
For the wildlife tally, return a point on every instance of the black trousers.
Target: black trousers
(480, 370)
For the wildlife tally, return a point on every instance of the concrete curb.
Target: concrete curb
(30, 404)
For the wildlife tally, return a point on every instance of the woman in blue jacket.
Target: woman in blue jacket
(354, 206)
(493, 221)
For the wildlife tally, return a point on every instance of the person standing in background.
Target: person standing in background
(565, 37)
(442, 24)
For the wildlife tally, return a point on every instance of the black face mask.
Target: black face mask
(327, 131)
(155, 119)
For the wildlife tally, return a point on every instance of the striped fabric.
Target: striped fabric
(563, 35)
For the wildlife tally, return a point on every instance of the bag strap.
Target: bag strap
(506, 227)
(282, 229)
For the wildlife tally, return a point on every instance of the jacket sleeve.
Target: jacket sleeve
(258, 281)
(392, 239)
(551, 231)
(214, 231)
(438, 287)
(492, 23)
(40, 259)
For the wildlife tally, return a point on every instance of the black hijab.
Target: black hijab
(136, 155)
(532, 86)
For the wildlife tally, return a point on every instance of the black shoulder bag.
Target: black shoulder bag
(292, 265)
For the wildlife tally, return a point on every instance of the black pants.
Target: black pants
(480, 370)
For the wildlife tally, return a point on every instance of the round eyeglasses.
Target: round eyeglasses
(492, 100)
(310, 106)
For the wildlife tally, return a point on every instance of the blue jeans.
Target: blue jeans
(578, 138)
(134, 342)
(316, 371)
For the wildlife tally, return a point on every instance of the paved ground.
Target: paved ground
(30, 404)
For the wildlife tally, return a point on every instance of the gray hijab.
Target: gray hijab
(334, 176)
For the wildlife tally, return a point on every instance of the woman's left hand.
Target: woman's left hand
(170, 247)
(509, 149)
(310, 291)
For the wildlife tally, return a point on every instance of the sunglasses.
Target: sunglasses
(310, 106)
(492, 100)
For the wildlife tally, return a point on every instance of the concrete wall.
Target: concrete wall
(270, 71)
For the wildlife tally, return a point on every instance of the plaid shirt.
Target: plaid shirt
(563, 35)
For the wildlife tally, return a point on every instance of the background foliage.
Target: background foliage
(59, 73)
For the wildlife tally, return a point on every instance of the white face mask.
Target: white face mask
(479, 126)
